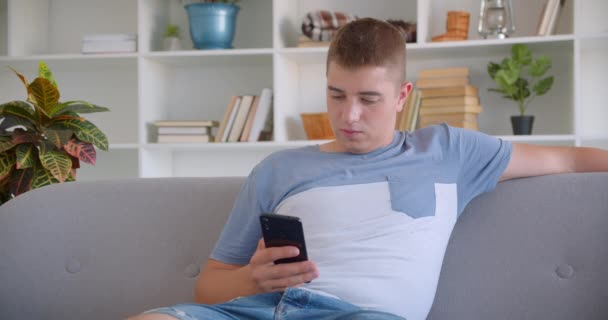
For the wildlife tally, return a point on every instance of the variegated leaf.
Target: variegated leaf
(44, 93)
(21, 136)
(6, 143)
(19, 109)
(76, 106)
(7, 163)
(10, 122)
(75, 163)
(64, 117)
(5, 194)
(45, 146)
(81, 150)
(58, 137)
(42, 177)
(21, 181)
(58, 163)
(85, 131)
(22, 78)
(72, 176)
(45, 72)
(26, 154)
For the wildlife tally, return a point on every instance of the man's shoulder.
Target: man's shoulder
(287, 158)
(291, 154)
(432, 138)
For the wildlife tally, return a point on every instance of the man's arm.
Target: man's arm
(220, 282)
(534, 160)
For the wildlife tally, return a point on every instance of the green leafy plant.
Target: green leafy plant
(520, 77)
(42, 140)
(172, 31)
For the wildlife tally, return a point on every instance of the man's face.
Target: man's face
(362, 104)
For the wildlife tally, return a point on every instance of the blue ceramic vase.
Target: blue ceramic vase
(212, 25)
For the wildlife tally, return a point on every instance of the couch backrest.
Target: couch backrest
(535, 248)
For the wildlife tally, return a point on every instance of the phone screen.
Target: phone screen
(282, 230)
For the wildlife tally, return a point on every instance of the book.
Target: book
(467, 90)
(167, 138)
(449, 101)
(109, 43)
(443, 72)
(448, 117)
(548, 9)
(554, 18)
(186, 123)
(267, 133)
(403, 115)
(234, 100)
(540, 18)
(452, 109)
(240, 118)
(413, 118)
(250, 117)
(472, 125)
(262, 115)
(184, 130)
(442, 82)
(230, 123)
(110, 37)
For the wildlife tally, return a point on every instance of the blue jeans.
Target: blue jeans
(293, 304)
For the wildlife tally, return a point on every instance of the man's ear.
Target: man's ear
(404, 92)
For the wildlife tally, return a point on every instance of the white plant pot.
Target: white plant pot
(171, 44)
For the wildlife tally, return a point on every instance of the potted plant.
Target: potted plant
(171, 40)
(42, 140)
(212, 23)
(521, 78)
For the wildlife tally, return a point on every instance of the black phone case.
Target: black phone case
(281, 230)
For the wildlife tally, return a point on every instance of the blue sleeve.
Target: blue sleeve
(239, 238)
(482, 159)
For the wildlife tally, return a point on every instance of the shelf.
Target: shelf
(152, 84)
(212, 57)
(272, 145)
(74, 62)
(540, 138)
(448, 50)
(231, 146)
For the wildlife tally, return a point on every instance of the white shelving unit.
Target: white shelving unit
(152, 84)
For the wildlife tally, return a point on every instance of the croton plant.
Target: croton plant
(42, 140)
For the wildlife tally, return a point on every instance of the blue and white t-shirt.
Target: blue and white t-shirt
(377, 225)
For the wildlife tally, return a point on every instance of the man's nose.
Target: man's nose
(352, 112)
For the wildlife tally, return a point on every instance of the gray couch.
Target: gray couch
(535, 248)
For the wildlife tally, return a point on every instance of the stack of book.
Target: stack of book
(184, 131)
(447, 96)
(407, 118)
(247, 118)
(109, 43)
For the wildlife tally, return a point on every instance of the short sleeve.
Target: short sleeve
(241, 233)
(482, 160)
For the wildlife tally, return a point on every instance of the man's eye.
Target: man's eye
(337, 97)
(369, 101)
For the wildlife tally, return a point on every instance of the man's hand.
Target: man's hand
(269, 277)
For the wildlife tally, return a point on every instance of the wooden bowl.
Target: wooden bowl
(317, 126)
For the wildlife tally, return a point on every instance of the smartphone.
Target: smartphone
(282, 230)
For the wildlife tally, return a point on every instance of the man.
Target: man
(378, 206)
